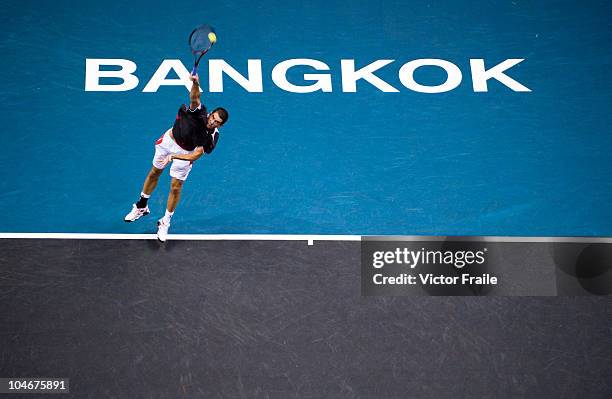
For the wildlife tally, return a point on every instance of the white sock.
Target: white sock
(143, 195)
(168, 216)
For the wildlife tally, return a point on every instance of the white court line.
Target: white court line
(188, 237)
(310, 238)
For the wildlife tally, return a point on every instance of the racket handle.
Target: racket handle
(194, 71)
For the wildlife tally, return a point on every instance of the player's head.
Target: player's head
(217, 118)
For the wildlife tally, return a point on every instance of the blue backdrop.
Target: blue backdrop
(458, 163)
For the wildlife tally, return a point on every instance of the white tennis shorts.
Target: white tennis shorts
(165, 146)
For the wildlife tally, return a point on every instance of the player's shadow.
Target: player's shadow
(231, 223)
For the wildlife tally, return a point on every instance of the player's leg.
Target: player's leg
(151, 181)
(179, 172)
(163, 147)
(174, 196)
(140, 208)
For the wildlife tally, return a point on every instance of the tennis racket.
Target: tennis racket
(201, 40)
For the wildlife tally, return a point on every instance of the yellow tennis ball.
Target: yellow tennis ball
(212, 37)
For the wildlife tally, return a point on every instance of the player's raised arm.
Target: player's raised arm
(194, 93)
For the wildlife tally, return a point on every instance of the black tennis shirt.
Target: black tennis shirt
(190, 130)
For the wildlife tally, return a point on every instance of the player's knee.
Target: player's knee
(155, 173)
(176, 186)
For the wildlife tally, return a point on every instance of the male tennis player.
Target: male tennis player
(194, 133)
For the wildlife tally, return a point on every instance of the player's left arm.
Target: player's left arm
(194, 93)
(210, 145)
(192, 156)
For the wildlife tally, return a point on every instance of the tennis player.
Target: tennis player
(194, 133)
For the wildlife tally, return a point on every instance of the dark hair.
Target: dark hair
(222, 113)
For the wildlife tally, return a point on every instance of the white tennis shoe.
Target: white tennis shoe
(136, 213)
(162, 230)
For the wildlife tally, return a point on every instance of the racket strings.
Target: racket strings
(199, 40)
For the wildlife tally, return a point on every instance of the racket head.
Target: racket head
(199, 39)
